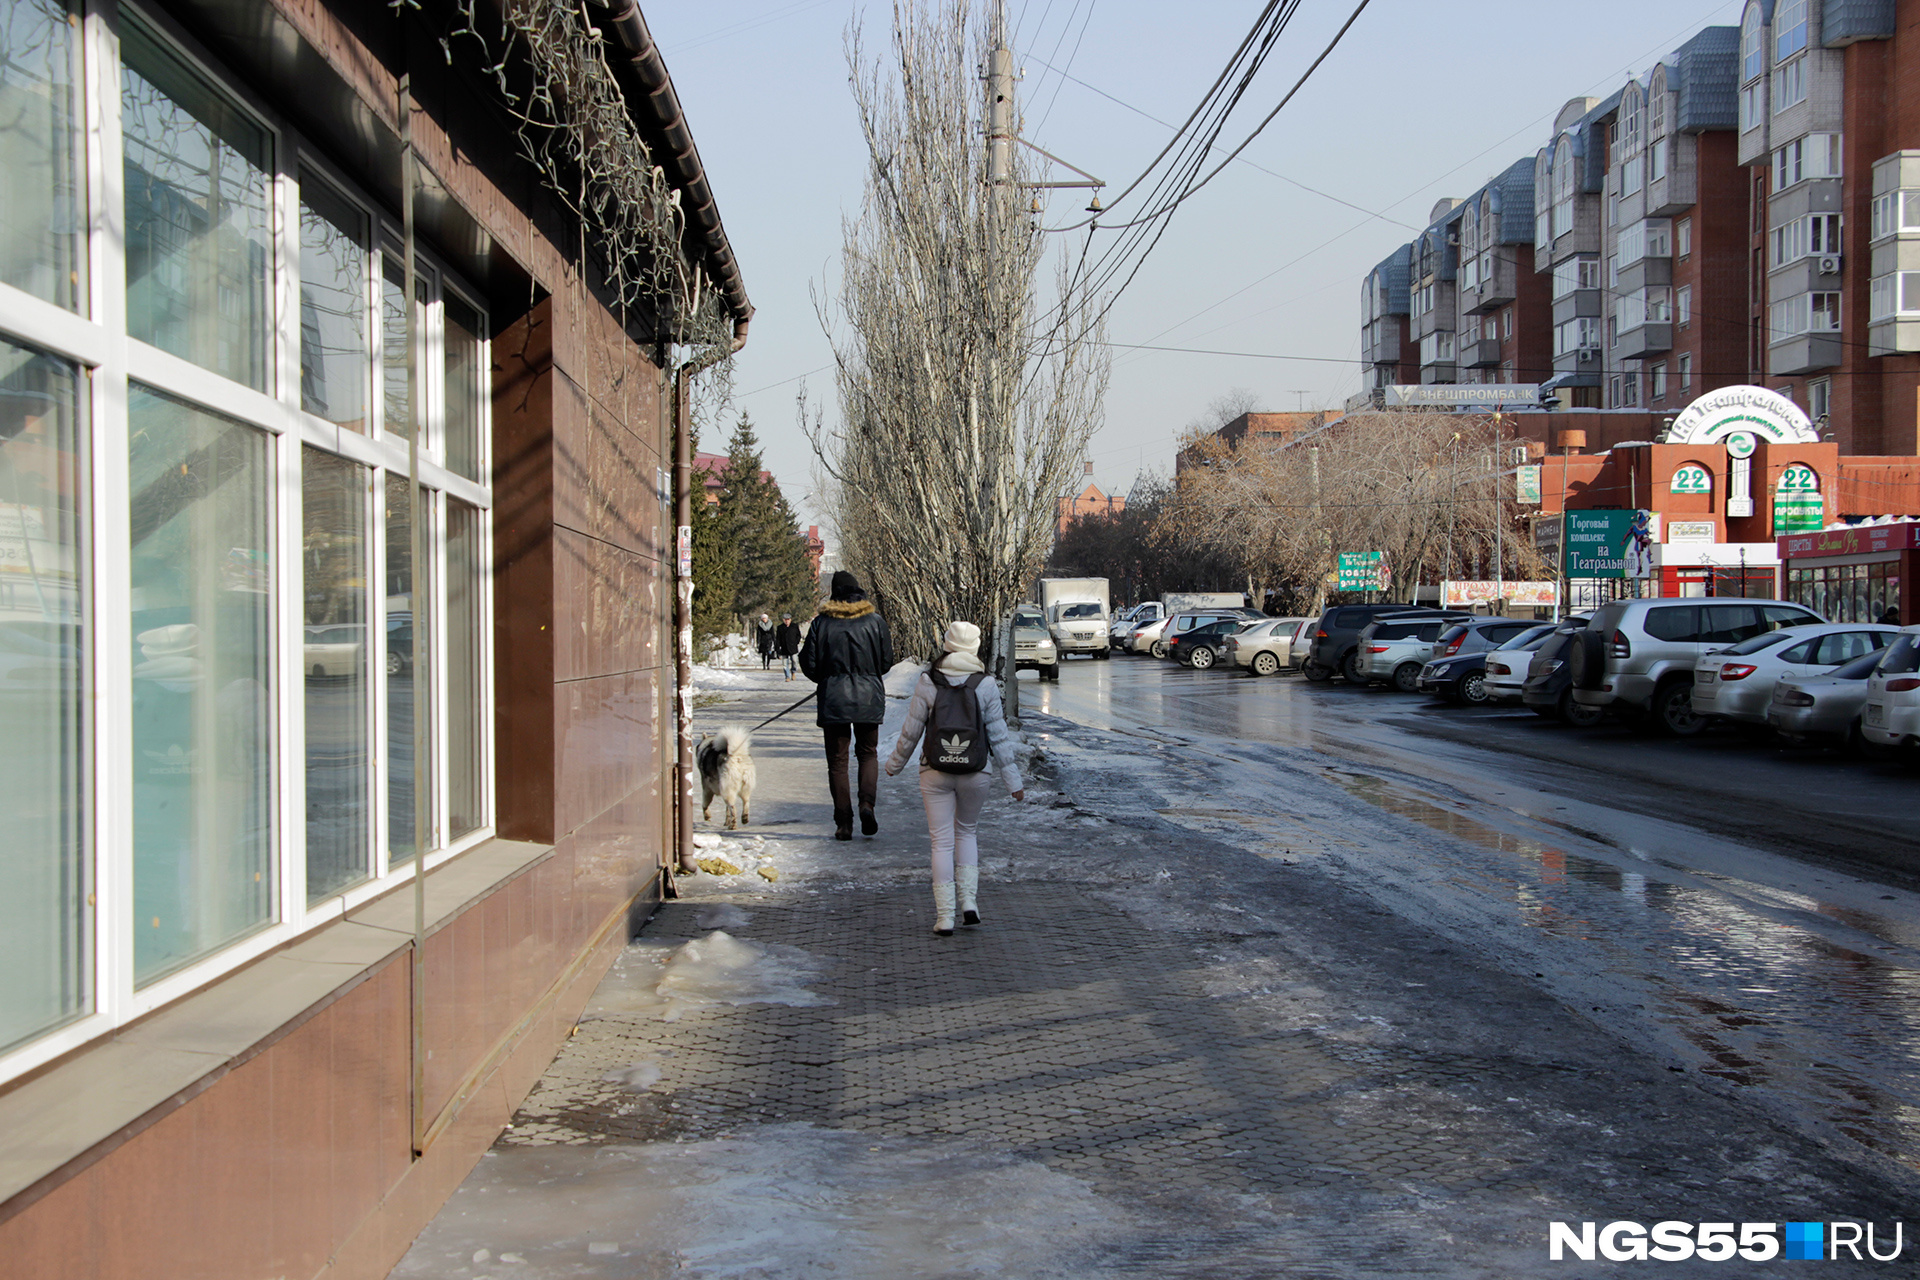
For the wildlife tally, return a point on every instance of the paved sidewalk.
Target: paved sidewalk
(1113, 1075)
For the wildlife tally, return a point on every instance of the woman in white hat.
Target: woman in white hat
(954, 767)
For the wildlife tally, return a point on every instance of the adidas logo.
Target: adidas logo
(955, 743)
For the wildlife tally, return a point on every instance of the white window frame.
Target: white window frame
(1790, 84)
(94, 339)
(1894, 296)
(1895, 212)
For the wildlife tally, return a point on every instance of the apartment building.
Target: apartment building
(1503, 331)
(1677, 235)
(1386, 336)
(1432, 302)
(1569, 177)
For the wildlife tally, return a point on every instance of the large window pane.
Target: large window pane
(333, 550)
(464, 388)
(203, 574)
(336, 362)
(465, 726)
(42, 203)
(393, 349)
(198, 243)
(408, 647)
(44, 922)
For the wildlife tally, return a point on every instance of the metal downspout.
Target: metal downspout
(683, 592)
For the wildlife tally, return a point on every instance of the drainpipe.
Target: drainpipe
(683, 592)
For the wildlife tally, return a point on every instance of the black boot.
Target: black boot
(869, 825)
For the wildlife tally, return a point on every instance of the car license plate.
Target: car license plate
(1877, 715)
(1708, 677)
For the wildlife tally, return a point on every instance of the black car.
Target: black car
(1336, 639)
(1549, 687)
(1206, 644)
(1458, 671)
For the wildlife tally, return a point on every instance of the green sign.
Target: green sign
(1797, 504)
(1526, 484)
(1597, 543)
(1692, 478)
(1362, 571)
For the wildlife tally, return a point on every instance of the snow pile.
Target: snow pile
(733, 651)
(722, 969)
(903, 677)
(716, 677)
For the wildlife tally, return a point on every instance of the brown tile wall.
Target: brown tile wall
(296, 1160)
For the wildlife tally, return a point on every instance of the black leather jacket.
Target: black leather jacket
(847, 652)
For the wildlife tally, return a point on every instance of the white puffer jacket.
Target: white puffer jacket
(999, 737)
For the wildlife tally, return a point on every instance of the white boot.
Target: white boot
(943, 908)
(967, 881)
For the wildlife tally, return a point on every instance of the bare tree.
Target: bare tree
(1423, 489)
(964, 408)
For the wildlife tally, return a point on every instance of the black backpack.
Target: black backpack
(956, 739)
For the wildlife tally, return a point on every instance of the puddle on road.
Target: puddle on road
(1719, 943)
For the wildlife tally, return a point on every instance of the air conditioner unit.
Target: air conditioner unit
(1588, 354)
(1829, 263)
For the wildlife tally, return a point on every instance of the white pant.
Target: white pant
(953, 813)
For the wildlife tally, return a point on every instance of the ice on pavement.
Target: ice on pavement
(718, 969)
(785, 1199)
(637, 1077)
(722, 915)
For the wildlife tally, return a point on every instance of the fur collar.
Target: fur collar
(845, 608)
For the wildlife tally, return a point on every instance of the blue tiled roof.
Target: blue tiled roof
(1513, 193)
(1844, 21)
(1707, 77)
(1394, 271)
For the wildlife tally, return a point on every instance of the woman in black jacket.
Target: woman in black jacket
(847, 653)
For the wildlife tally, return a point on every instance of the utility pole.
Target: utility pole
(1499, 520)
(1003, 123)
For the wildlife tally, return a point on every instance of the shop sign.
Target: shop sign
(1526, 484)
(1797, 504)
(1463, 595)
(1597, 543)
(1362, 571)
(1463, 396)
(1737, 417)
(1692, 478)
(1689, 531)
(1861, 540)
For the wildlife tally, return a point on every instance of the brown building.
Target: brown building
(1262, 428)
(271, 990)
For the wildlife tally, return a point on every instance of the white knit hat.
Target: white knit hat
(961, 637)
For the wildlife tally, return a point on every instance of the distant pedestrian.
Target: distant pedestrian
(958, 710)
(1891, 618)
(786, 641)
(763, 641)
(847, 653)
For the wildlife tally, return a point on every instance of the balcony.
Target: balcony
(1804, 353)
(1481, 354)
(1496, 291)
(1648, 339)
(1441, 372)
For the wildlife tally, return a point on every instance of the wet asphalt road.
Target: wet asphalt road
(1748, 910)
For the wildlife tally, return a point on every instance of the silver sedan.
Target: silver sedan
(1825, 707)
(1737, 683)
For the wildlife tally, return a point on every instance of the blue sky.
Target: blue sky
(1421, 100)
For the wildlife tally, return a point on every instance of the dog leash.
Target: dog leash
(776, 715)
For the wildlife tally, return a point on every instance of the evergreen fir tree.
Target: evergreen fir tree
(771, 573)
(716, 551)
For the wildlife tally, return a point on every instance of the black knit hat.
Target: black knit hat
(847, 587)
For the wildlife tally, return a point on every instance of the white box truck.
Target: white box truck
(1076, 611)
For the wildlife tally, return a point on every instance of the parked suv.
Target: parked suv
(1336, 639)
(1178, 624)
(1549, 687)
(1394, 648)
(1637, 656)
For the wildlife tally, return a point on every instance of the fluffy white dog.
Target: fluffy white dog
(726, 770)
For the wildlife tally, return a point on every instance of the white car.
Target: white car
(1736, 683)
(1891, 717)
(1508, 665)
(337, 649)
